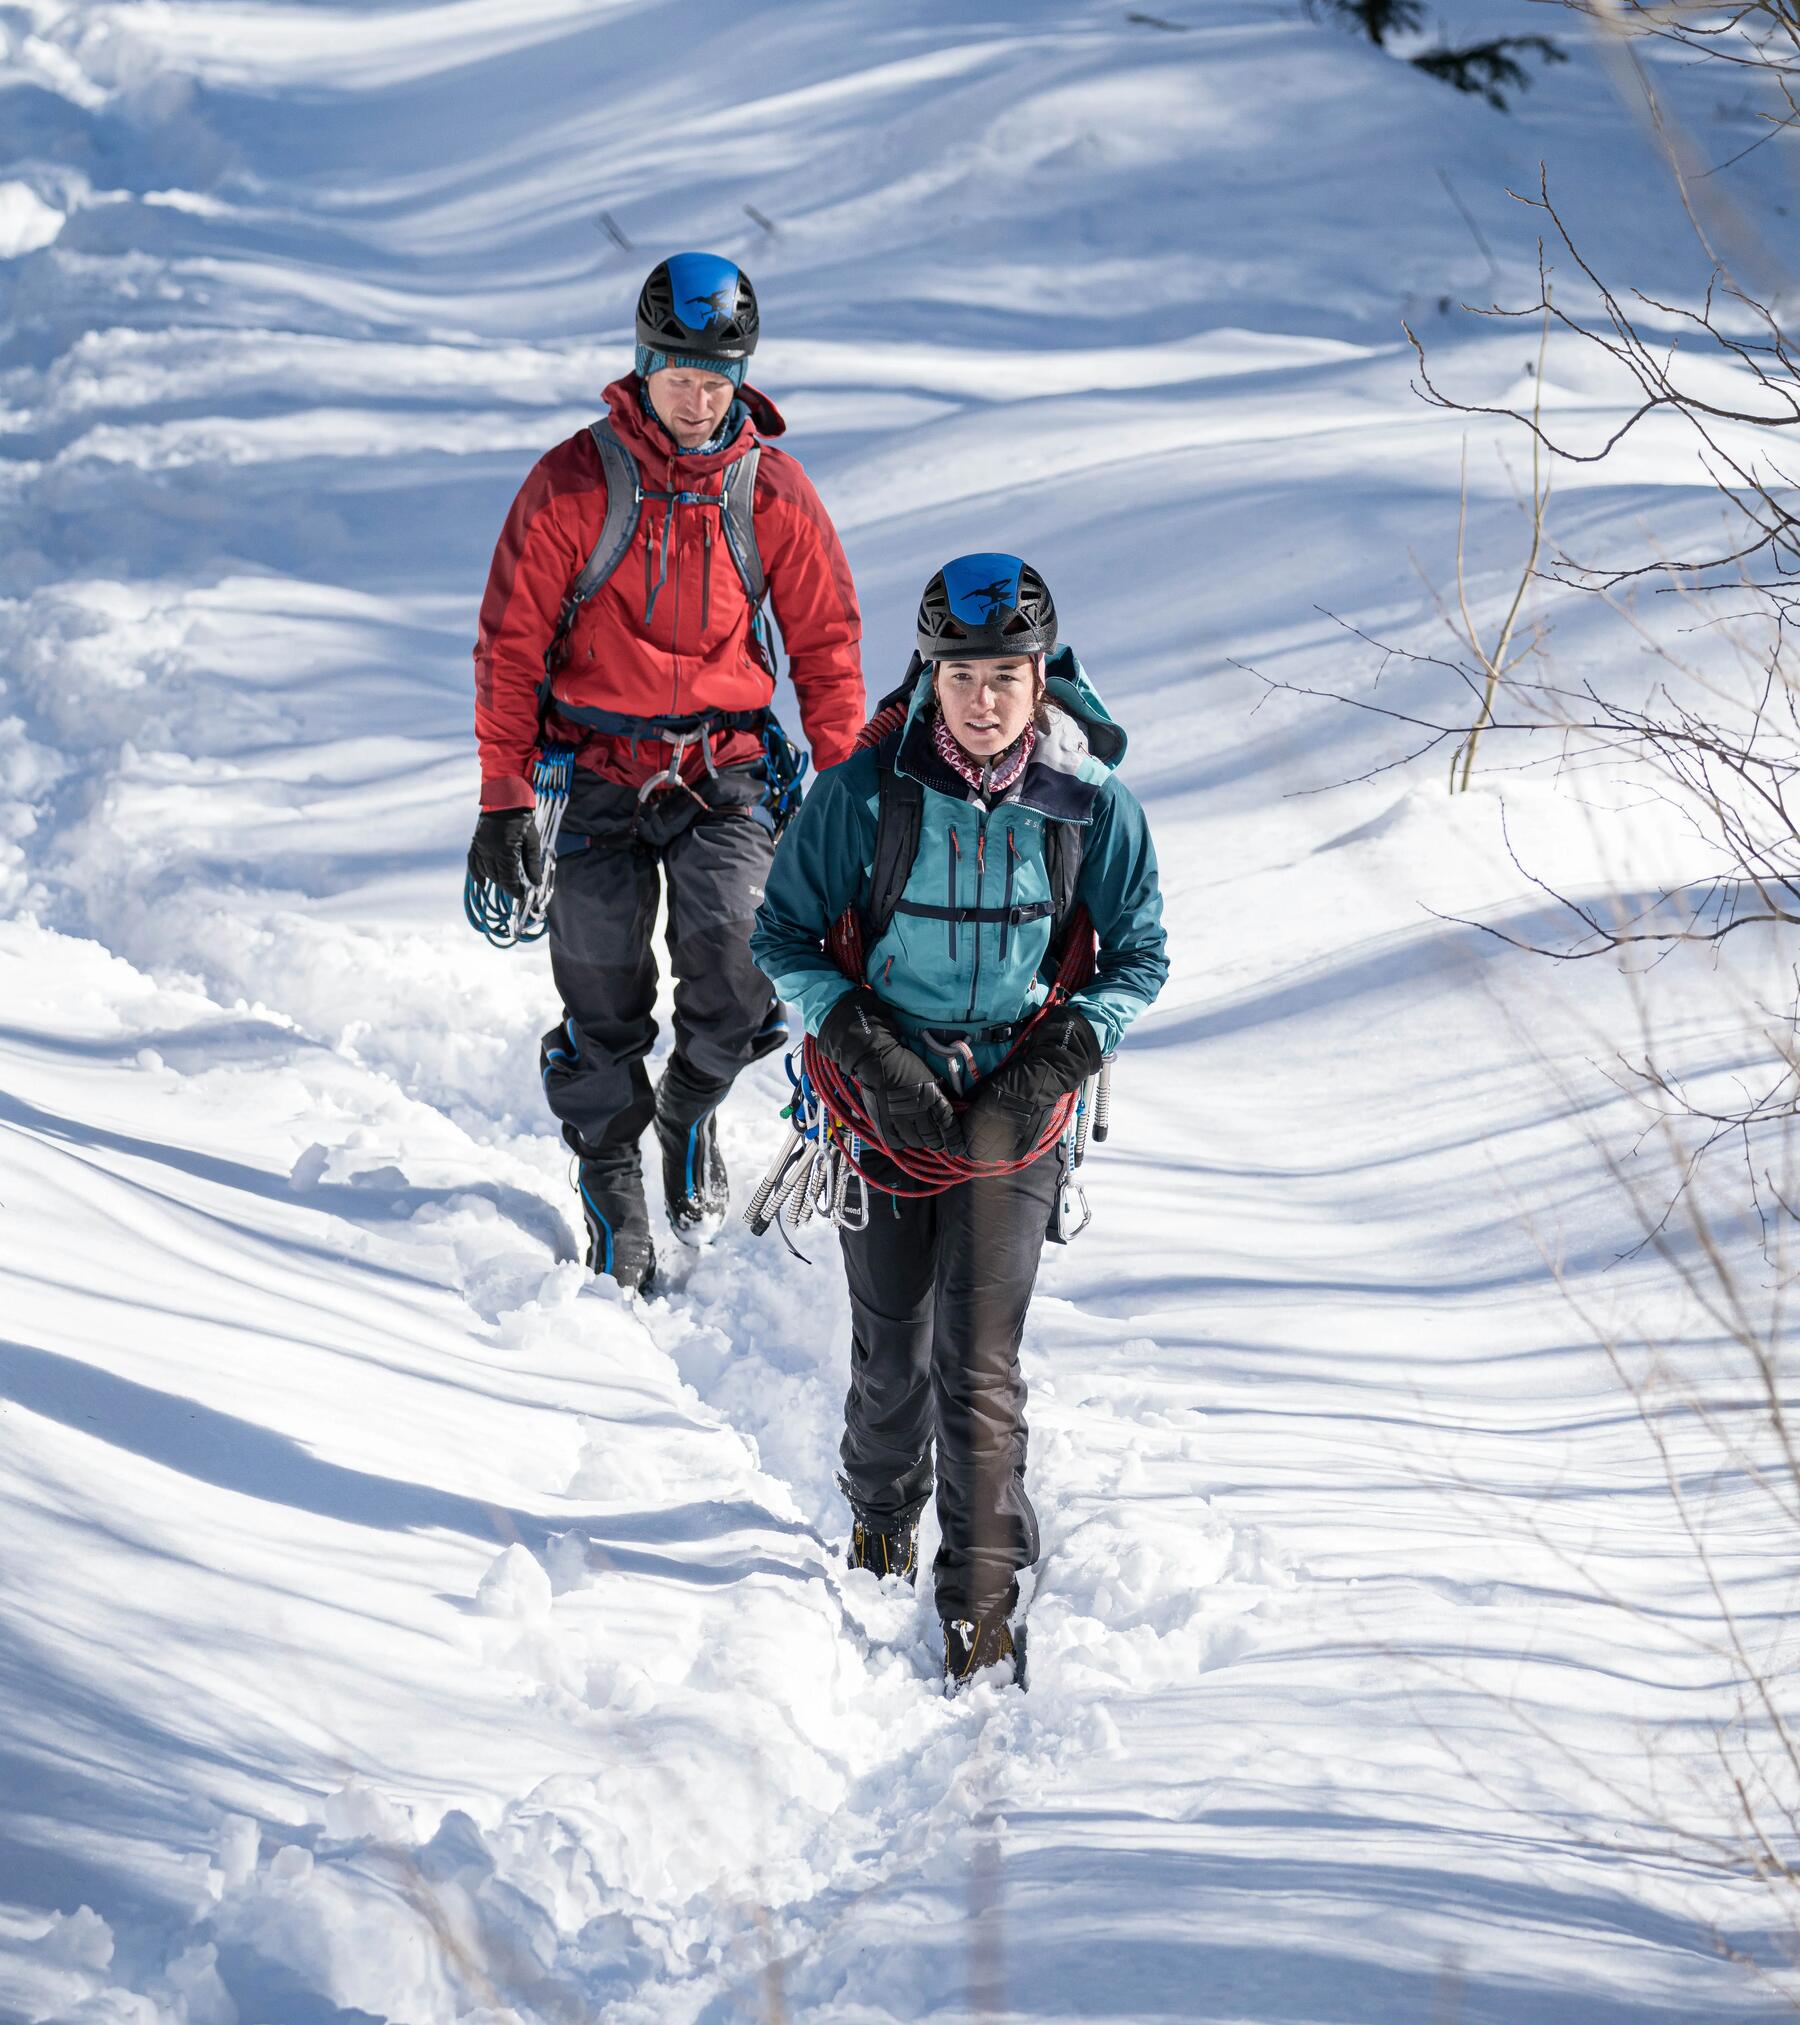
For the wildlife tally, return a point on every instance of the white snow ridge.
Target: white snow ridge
(395, 1623)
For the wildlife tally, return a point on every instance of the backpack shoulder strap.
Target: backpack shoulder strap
(737, 510)
(1063, 846)
(898, 828)
(897, 831)
(624, 498)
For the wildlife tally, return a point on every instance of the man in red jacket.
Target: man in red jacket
(661, 677)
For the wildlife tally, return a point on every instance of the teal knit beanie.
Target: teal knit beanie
(650, 360)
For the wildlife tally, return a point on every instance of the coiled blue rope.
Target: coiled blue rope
(492, 912)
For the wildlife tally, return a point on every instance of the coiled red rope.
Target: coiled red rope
(931, 1172)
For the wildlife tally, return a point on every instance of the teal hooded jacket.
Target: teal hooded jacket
(960, 976)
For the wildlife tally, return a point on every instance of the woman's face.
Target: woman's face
(987, 704)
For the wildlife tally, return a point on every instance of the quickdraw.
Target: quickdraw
(817, 1172)
(496, 914)
(1069, 1213)
(785, 766)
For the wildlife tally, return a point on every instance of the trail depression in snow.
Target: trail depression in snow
(397, 1624)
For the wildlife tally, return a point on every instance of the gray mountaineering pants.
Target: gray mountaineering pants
(938, 1293)
(612, 859)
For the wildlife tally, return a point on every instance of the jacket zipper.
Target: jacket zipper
(675, 621)
(705, 585)
(980, 886)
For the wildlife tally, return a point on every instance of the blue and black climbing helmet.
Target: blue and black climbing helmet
(697, 309)
(981, 607)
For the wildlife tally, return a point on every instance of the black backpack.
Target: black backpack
(625, 496)
(897, 831)
(735, 500)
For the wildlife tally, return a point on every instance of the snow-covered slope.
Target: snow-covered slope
(397, 1626)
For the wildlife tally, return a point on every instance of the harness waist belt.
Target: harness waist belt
(1031, 910)
(999, 1030)
(617, 725)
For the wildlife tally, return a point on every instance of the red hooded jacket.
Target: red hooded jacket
(693, 650)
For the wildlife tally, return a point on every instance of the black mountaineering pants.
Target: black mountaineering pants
(612, 860)
(938, 1293)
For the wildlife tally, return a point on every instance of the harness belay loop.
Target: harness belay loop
(494, 913)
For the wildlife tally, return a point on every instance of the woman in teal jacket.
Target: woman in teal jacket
(1009, 757)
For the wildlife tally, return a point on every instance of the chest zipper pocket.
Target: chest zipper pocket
(705, 582)
(651, 585)
(953, 863)
(1006, 918)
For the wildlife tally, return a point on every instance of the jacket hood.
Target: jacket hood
(649, 439)
(1072, 760)
(1065, 682)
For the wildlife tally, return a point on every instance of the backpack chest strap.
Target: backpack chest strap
(1029, 910)
(625, 496)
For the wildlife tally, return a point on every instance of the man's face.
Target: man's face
(690, 404)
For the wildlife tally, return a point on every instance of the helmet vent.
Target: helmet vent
(985, 606)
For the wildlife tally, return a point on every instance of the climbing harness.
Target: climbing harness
(495, 913)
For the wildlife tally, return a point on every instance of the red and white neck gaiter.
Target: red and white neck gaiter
(1006, 768)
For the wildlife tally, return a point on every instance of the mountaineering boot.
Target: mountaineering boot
(618, 1223)
(696, 1187)
(885, 1550)
(975, 1647)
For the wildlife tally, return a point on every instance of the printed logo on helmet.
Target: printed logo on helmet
(982, 589)
(712, 308)
(704, 288)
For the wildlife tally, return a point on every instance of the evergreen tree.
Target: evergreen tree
(1488, 69)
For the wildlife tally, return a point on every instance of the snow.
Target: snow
(397, 1623)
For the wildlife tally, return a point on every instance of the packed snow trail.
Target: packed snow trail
(399, 1626)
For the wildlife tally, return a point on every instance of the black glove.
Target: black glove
(506, 852)
(907, 1104)
(1012, 1107)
